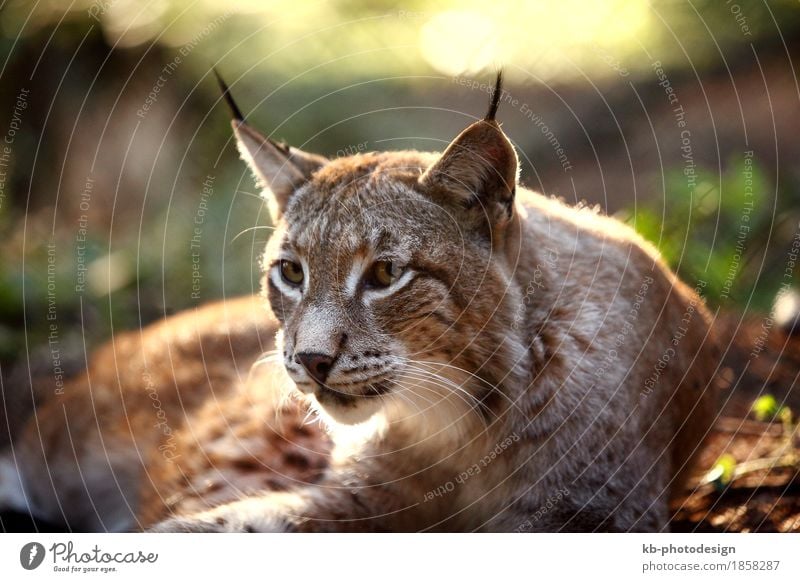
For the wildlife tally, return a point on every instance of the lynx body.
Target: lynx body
(486, 359)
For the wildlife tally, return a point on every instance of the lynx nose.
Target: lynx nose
(317, 365)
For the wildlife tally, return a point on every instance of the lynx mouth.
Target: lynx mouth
(345, 402)
(327, 393)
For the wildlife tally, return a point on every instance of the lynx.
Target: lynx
(484, 358)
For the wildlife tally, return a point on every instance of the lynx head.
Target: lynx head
(387, 274)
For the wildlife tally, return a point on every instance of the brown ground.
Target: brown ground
(766, 500)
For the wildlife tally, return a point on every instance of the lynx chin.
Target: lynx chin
(476, 351)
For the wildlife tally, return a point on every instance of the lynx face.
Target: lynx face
(380, 289)
(384, 272)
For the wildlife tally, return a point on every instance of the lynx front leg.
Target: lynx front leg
(268, 513)
(330, 506)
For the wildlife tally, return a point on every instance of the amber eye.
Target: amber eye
(292, 273)
(383, 274)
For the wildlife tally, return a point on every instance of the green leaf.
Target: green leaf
(721, 474)
(765, 408)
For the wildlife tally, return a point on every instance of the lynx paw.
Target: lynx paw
(228, 518)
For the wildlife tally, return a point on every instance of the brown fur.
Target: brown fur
(86, 455)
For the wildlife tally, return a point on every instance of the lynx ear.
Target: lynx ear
(278, 168)
(479, 168)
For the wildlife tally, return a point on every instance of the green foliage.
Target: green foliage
(131, 280)
(723, 471)
(717, 231)
(766, 408)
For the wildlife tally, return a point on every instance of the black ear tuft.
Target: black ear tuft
(226, 94)
(495, 97)
(279, 169)
(479, 166)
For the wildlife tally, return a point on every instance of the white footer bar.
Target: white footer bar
(353, 557)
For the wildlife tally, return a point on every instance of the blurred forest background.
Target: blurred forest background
(120, 183)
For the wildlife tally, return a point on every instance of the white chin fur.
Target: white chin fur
(333, 413)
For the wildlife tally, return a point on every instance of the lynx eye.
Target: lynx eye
(382, 274)
(292, 273)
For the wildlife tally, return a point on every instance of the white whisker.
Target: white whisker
(473, 404)
(485, 382)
